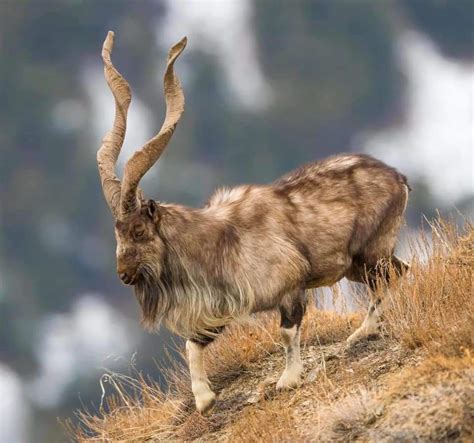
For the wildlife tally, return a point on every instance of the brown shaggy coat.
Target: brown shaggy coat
(252, 245)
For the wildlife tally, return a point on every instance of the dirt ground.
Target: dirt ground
(344, 397)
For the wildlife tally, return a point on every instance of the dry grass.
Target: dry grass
(140, 411)
(240, 345)
(434, 306)
(415, 384)
(430, 402)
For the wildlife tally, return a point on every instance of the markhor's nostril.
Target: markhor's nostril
(123, 275)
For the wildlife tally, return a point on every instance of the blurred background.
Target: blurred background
(269, 85)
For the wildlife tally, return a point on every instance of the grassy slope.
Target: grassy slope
(414, 383)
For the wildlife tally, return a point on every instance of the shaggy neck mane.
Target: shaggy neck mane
(196, 290)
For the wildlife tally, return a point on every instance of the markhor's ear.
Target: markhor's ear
(153, 210)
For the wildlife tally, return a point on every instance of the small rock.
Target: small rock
(331, 356)
(313, 374)
(254, 398)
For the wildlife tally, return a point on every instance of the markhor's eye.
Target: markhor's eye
(139, 234)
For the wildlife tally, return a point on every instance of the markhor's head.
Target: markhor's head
(140, 250)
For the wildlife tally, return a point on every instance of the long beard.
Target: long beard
(186, 306)
(151, 295)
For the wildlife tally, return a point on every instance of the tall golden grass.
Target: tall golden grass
(430, 309)
(433, 306)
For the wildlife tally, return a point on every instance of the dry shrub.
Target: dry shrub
(435, 369)
(139, 410)
(433, 305)
(240, 345)
(269, 422)
(323, 327)
(348, 419)
(431, 402)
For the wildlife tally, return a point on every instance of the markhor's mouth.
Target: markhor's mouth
(129, 279)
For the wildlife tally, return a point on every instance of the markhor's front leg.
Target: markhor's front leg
(204, 397)
(292, 310)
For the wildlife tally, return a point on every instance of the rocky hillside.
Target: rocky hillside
(414, 382)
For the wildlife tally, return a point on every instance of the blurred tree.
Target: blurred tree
(332, 67)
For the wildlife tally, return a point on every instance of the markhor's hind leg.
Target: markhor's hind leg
(371, 323)
(400, 266)
(292, 309)
(373, 262)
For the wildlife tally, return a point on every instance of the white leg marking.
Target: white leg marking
(370, 324)
(204, 397)
(292, 373)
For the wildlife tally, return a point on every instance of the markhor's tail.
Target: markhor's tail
(404, 180)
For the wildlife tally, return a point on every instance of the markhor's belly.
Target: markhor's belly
(326, 280)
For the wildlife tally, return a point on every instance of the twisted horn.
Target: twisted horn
(143, 159)
(113, 141)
